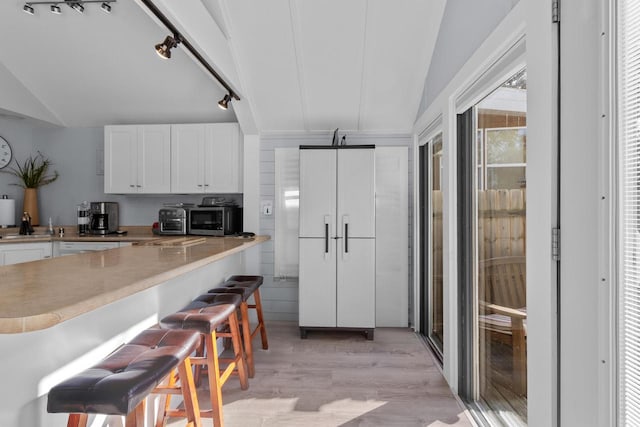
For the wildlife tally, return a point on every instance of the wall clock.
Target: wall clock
(5, 152)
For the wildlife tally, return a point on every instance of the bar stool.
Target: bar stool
(206, 315)
(246, 286)
(119, 384)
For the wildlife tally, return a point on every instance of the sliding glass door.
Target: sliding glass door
(431, 307)
(492, 256)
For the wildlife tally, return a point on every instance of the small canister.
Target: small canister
(83, 218)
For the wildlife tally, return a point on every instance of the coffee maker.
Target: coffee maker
(104, 217)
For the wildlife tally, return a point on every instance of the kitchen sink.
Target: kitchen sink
(25, 236)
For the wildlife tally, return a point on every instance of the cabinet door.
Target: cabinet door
(120, 159)
(154, 159)
(24, 252)
(356, 192)
(317, 292)
(317, 192)
(223, 158)
(356, 283)
(187, 162)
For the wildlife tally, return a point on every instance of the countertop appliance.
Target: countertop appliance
(104, 218)
(7, 212)
(215, 221)
(174, 219)
(337, 238)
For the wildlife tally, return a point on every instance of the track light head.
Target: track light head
(77, 7)
(55, 9)
(164, 49)
(106, 7)
(28, 9)
(224, 102)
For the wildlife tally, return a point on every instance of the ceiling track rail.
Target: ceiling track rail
(178, 36)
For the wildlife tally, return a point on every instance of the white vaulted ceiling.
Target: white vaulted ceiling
(318, 65)
(298, 65)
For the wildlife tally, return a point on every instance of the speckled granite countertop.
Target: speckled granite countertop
(40, 294)
(134, 234)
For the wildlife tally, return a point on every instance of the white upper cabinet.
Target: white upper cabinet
(137, 159)
(206, 158)
(154, 159)
(187, 159)
(182, 158)
(120, 159)
(223, 158)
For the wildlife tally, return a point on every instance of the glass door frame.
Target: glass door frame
(469, 339)
(468, 384)
(425, 154)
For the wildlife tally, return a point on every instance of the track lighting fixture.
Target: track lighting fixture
(164, 49)
(77, 5)
(224, 102)
(177, 37)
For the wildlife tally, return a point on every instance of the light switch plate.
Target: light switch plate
(266, 207)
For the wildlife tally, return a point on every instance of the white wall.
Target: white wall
(465, 25)
(19, 134)
(585, 178)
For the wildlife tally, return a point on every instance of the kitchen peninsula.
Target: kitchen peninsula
(61, 315)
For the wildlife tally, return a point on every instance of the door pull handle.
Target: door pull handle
(346, 238)
(326, 238)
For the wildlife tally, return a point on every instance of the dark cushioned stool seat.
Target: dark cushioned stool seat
(245, 291)
(247, 286)
(203, 314)
(243, 285)
(120, 382)
(245, 278)
(206, 314)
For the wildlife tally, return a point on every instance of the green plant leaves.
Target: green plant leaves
(33, 172)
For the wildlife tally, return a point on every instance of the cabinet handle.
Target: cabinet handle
(131, 185)
(346, 238)
(206, 185)
(199, 185)
(326, 238)
(138, 186)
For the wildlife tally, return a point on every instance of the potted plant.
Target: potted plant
(32, 173)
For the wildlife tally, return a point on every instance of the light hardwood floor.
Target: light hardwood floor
(340, 379)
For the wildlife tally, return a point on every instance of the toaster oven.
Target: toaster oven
(173, 220)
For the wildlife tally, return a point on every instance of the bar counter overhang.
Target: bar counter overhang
(61, 315)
